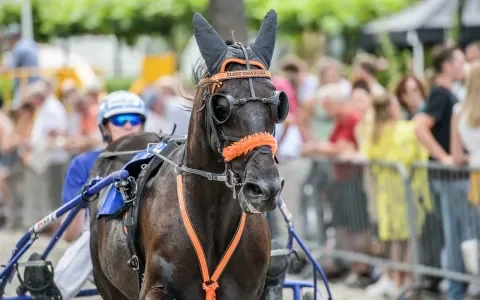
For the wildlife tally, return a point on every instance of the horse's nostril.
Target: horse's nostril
(253, 189)
(256, 190)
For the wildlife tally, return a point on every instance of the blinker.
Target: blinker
(223, 106)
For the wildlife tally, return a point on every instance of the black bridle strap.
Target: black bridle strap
(178, 168)
(247, 62)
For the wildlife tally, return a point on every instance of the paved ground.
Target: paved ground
(8, 240)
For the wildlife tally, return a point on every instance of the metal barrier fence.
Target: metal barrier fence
(362, 207)
(368, 208)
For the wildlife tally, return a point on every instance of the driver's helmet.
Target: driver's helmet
(120, 102)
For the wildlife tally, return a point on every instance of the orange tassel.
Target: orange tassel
(249, 143)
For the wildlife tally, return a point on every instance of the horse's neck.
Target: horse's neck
(217, 214)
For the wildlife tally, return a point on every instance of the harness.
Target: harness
(133, 190)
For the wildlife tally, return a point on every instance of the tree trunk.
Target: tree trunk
(227, 16)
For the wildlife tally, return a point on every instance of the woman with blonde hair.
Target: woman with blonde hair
(393, 139)
(465, 131)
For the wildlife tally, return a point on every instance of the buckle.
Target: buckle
(133, 263)
(128, 189)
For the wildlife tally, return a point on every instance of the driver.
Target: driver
(120, 114)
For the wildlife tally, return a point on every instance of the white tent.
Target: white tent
(429, 20)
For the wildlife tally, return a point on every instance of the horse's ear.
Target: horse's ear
(211, 45)
(266, 37)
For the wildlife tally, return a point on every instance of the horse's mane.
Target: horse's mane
(198, 71)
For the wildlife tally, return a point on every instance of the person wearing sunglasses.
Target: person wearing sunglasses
(120, 114)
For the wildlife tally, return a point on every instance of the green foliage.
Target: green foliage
(119, 83)
(130, 18)
(330, 16)
(397, 60)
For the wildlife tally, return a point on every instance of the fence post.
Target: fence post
(412, 220)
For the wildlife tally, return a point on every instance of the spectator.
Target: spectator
(94, 92)
(361, 98)
(411, 95)
(365, 68)
(288, 133)
(316, 124)
(155, 110)
(6, 131)
(24, 55)
(330, 71)
(83, 133)
(472, 52)
(394, 140)
(465, 134)
(58, 133)
(44, 156)
(350, 216)
(68, 87)
(433, 131)
(177, 108)
(296, 70)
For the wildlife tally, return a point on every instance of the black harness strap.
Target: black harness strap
(131, 221)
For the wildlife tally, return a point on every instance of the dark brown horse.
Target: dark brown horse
(226, 109)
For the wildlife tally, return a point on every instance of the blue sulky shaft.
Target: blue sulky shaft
(293, 236)
(73, 205)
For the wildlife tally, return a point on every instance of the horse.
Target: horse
(205, 207)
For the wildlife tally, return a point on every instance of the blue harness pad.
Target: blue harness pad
(112, 200)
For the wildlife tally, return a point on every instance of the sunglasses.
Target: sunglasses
(121, 120)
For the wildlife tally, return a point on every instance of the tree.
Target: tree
(227, 16)
(131, 18)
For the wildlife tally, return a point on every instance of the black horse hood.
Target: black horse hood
(214, 50)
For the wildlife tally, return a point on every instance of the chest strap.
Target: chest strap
(210, 284)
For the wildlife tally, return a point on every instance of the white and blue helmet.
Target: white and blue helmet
(120, 102)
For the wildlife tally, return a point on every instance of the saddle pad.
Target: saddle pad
(111, 201)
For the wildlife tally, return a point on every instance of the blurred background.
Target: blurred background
(366, 200)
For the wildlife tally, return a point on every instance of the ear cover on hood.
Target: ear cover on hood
(214, 49)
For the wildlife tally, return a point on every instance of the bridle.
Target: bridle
(218, 141)
(253, 144)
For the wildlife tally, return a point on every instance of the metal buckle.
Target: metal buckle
(151, 147)
(128, 189)
(133, 263)
(233, 183)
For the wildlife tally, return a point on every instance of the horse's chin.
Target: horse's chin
(250, 207)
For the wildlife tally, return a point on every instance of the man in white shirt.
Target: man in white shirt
(46, 157)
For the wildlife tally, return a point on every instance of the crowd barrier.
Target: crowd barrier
(365, 207)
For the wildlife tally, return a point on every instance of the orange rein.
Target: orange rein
(249, 143)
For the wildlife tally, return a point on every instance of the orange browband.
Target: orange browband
(217, 79)
(249, 143)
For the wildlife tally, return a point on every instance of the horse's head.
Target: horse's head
(241, 108)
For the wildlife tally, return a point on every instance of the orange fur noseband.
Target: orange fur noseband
(249, 143)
